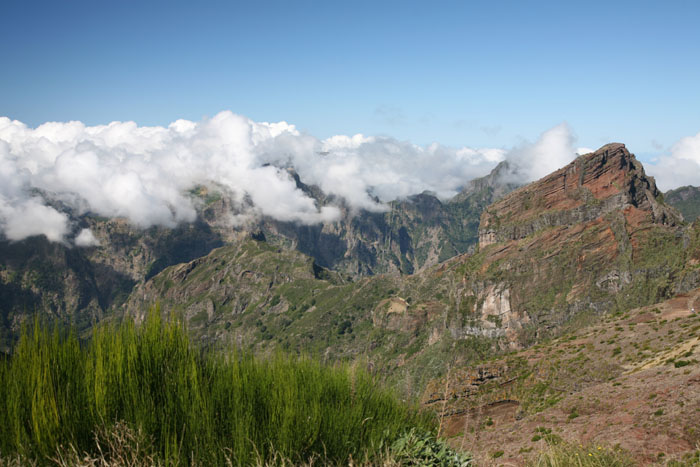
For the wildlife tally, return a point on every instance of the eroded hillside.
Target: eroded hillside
(632, 380)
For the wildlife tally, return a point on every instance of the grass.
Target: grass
(60, 395)
(569, 455)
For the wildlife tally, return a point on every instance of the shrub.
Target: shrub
(418, 447)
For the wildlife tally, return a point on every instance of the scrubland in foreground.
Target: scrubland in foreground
(146, 393)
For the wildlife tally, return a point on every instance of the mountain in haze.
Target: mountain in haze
(412, 235)
(687, 200)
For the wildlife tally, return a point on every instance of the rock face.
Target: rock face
(594, 236)
(595, 184)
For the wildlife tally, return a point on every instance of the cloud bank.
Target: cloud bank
(680, 167)
(553, 150)
(144, 173)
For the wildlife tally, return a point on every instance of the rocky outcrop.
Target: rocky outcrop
(594, 236)
(465, 383)
(595, 184)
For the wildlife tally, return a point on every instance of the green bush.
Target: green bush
(418, 447)
(194, 407)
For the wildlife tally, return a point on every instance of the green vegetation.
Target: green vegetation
(421, 448)
(686, 200)
(690, 459)
(147, 387)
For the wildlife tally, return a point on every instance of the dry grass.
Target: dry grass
(571, 455)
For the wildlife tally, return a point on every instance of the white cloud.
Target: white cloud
(22, 213)
(680, 167)
(143, 173)
(552, 150)
(86, 238)
(31, 217)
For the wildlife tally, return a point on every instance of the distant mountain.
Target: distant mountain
(81, 285)
(687, 200)
(410, 236)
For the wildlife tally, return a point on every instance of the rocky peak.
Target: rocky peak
(594, 184)
(499, 182)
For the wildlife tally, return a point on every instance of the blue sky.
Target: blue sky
(481, 74)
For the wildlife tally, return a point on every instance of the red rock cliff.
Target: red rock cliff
(591, 186)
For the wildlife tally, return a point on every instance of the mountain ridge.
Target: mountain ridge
(414, 234)
(505, 295)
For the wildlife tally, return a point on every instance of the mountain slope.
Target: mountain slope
(410, 236)
(81, 284)
(85, 283)
(260, 297)
(589, 237)
(583, 257)
(632, 379)
(686, 199)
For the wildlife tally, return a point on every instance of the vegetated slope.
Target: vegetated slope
(632, 379)
(554, 253)
(686, 199)
(260, 297)
(79, 285)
